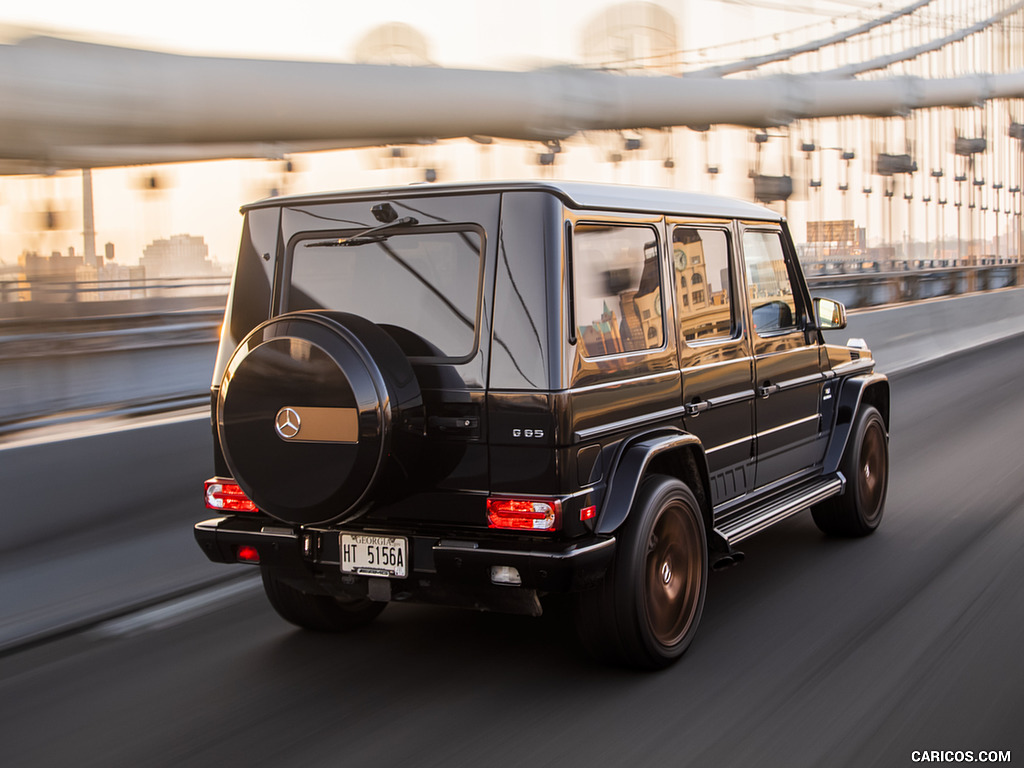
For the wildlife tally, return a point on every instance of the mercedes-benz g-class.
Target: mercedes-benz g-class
(480, 394)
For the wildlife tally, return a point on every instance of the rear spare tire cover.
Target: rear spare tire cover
(308, 411)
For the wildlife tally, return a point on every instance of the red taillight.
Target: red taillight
(524, 514)
(247, 554)
(224, 495)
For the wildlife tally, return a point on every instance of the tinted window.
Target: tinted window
(700, 259)
(249, 301)
(773, 306)
(422, 286)
(617, 289)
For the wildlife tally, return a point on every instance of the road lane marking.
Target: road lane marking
(176, 611)
(58, 433)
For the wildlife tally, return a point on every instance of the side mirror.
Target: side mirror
(831, 314)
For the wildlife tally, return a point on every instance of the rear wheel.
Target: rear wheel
(321, 613)
(646, 611)
(865, 465)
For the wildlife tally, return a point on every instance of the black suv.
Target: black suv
(480, 394)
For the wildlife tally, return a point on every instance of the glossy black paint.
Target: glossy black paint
(528, 411)
(791, 435)
(716, 383)
(528, 327)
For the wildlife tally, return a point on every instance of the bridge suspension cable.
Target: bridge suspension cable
(754, 62)
(883, 62)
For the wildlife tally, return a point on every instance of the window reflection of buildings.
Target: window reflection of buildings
(769, 282)
(688, 249)
(602, 336)
(769, 278)
(640, 326)
(703, 312)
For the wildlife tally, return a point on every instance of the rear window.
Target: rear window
(421, 284)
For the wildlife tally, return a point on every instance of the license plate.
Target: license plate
(374, 555)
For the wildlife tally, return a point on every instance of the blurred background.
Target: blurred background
(888, 132)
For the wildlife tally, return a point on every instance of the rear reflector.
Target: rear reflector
(224, 495)
(588, 513)
(248, 554)
(524, 514)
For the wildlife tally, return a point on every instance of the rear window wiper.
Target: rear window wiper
(371, 235)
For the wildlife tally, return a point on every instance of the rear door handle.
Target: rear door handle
(767, 389)
(453, 423)
(697, 407)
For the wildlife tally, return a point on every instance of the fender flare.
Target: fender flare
(634, 459)
(873, 387)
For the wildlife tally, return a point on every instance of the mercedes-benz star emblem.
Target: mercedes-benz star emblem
(287, 424)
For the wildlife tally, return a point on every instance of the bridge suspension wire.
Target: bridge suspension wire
(883, 62)
(943, 185)
(755, 62)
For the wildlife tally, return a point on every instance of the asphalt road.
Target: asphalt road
(813, 652)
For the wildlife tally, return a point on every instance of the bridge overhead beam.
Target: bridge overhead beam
(70, 104)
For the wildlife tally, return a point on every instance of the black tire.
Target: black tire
(320, 613)
(865, 465)
(646, 611)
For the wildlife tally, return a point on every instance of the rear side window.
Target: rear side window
(249, 302)
(617, 286)
(421, 285)
(700, 259)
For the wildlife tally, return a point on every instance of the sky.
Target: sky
(316, 29)
(203, 198)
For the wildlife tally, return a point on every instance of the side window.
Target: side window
(617, 289)
(771, 294)
(700, 259)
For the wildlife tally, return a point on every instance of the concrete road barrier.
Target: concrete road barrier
(906, 336)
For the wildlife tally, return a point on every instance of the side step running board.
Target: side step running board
(758, 519)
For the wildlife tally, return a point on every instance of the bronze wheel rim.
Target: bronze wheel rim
(871, 473)
(674, 573)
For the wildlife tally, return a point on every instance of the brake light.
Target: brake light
(225, 495)
(524, 514)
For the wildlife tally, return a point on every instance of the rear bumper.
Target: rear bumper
(567, 570)
(459, 568)
(220, 538)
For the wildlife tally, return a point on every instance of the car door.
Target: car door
(714, 353)
(787, 367)
(623, 367)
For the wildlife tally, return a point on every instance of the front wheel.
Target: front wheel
(321, 613)
(865, 465)
(646, 611)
